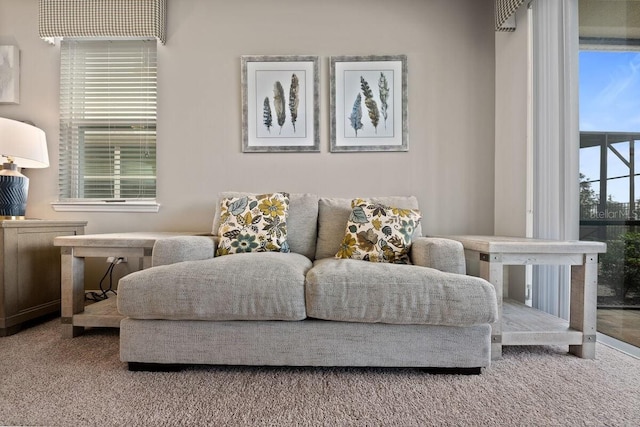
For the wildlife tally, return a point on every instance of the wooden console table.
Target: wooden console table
(74, 249)
(519, 324)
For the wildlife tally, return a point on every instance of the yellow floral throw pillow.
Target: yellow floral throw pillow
(253, 224)
(379, 233)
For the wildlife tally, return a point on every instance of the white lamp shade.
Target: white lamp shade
(25, 144)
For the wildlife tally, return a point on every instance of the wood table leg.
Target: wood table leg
(147, 259)
(583, 309)
(492, 270)
(72, 291)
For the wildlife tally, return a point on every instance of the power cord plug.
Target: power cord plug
(104, 294)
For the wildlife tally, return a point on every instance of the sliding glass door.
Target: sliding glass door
(610, 157)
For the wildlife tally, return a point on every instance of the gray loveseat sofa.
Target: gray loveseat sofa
(307, 308)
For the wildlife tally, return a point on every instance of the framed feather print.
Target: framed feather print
(368, 103)
(280, 104)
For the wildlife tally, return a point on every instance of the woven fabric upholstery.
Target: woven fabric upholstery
(252, 286)
(308, 343)
(182, 248)
(333, 215)
(302, 221)
(103, 18)
(359, 291)
(442, 254)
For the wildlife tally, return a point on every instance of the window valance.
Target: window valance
(102, 18)
(504, 12)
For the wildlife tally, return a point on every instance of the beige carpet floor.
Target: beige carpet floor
(47, 380)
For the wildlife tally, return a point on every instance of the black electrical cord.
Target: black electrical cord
(103, 295)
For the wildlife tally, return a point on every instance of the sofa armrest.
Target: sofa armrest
(442, 254)
(171, 250)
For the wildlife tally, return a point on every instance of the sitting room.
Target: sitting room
(339, 212)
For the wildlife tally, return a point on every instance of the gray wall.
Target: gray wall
(511, 129)
(450, 46)
(511, 141)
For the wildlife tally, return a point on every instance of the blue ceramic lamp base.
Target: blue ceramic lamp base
(14, 188)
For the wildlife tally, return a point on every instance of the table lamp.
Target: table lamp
(21, 146)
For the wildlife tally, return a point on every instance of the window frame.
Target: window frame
(70, 168)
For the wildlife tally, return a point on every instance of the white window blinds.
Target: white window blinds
(108, 120)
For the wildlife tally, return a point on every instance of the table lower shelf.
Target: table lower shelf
(100, 314)
(523, 325)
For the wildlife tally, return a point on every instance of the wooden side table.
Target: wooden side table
(30, 269)
(74, 249)
(522, 325)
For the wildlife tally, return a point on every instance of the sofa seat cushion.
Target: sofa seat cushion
(358, 291)
(245, 286)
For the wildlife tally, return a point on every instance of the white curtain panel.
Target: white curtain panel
(556, 139)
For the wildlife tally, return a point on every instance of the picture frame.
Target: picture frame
(9, 75)
(368, 103)
(280, 103)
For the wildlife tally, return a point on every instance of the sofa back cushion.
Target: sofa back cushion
(333, 215)
(302, 221)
